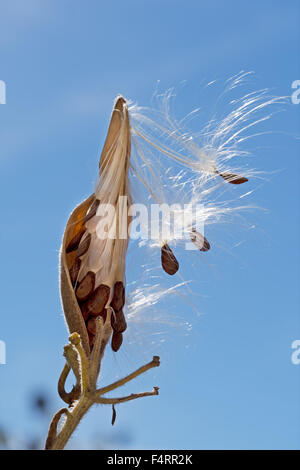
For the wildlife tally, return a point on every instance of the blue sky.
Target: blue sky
(230, 383)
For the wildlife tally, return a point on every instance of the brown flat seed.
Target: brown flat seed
(114, 415)
(74, 270)
(73, 244)
(168, 260)
(233, 179)
(98, 299)
(103, 314)
(86, 286)
(91, 339)
(93, 210)
(199, 240)
(91, 325)
(84, 246)
(118, 299)
(118, 322)
(116, 341)
(84, 311)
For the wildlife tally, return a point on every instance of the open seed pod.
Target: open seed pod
(92, 266)
(70, 304)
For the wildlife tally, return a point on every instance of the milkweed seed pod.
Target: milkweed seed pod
(95, 241)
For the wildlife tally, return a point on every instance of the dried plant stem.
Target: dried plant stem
(103, 332)
(72, 421)
(133, 375)
(88, 393)
(53, 427)
(65, 396)
(133, 396)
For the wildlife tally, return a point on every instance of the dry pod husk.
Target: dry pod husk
(92, 269)
(70, 304)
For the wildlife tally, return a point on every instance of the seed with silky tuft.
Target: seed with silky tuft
(91, 325)
(92, 211)
(116, 341)
(86, 286)
(91, 338)
(118, 322)
(233, 179)
(168, 261)
(74, 270)
(92, 322)
(83, 246)
(73, 244)
(199, 240)
(84, 311)
(103, 314)
(98, 299)
(118, 299)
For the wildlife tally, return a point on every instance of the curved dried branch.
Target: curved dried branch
(52, 432)
(84, 363)
(132, 396)
(154, 363)
(74, 394)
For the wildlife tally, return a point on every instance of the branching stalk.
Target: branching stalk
(86, 370)
(154, 363)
